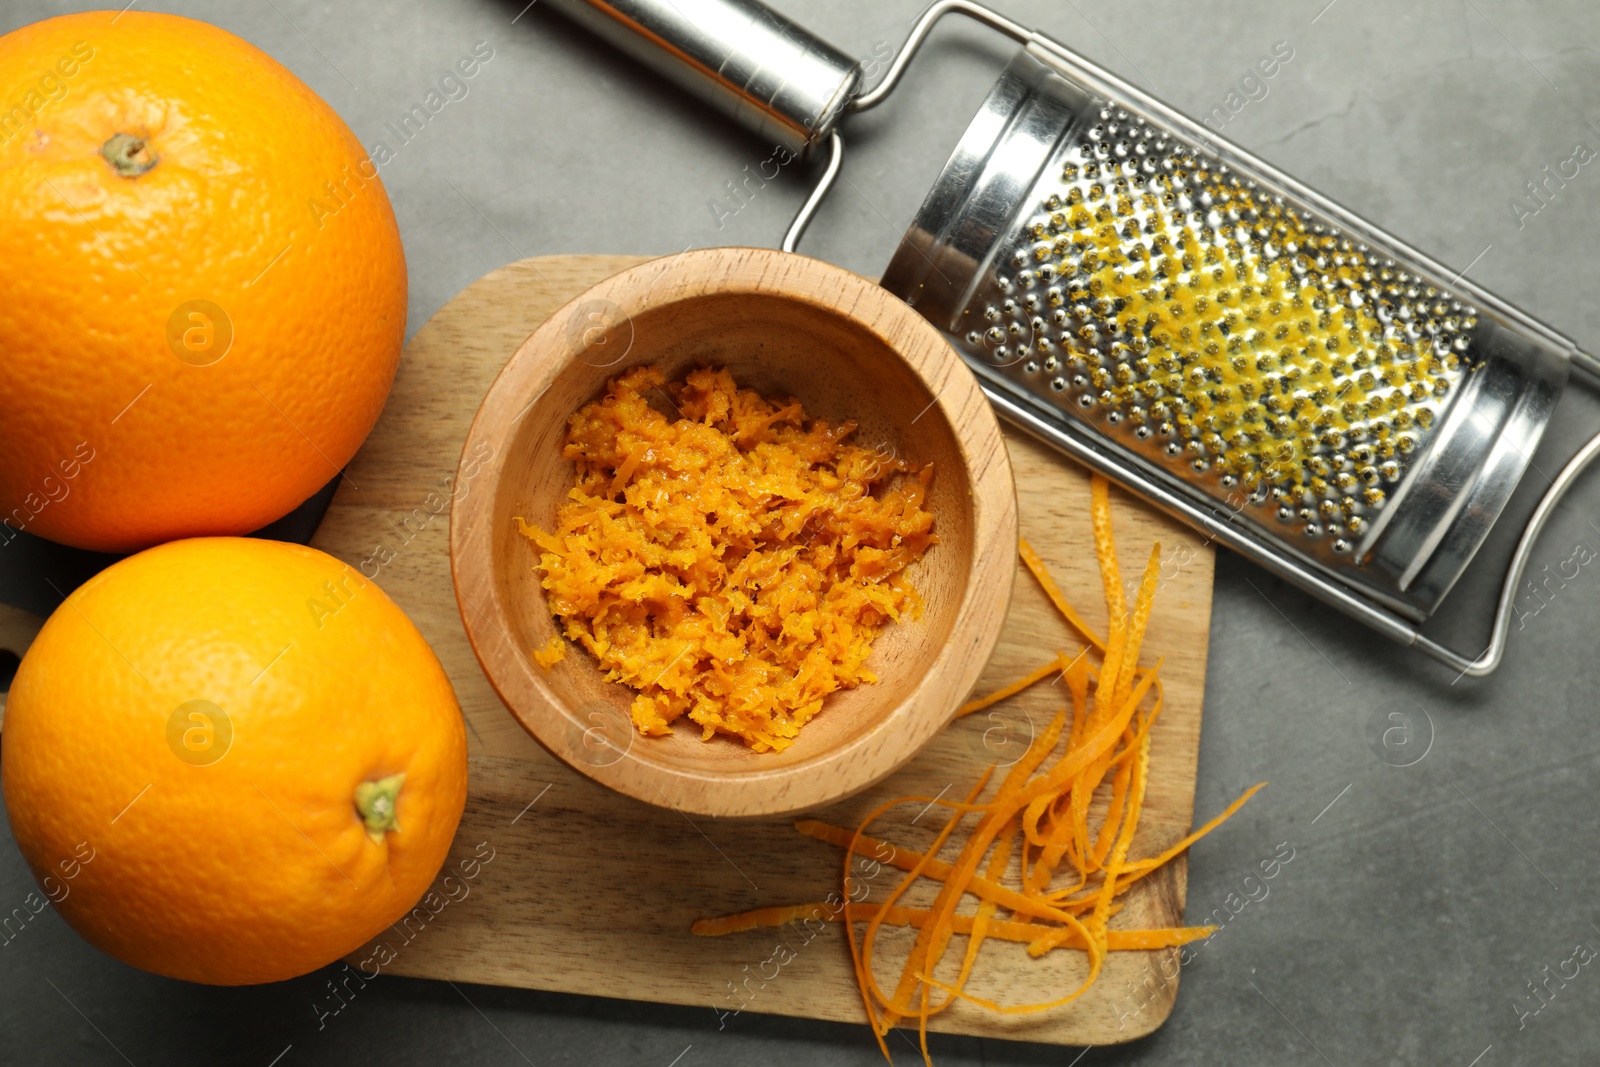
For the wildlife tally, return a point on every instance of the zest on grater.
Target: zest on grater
(1179, 315)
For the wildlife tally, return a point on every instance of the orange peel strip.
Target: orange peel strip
(863, 959)
(906, 859)
(1031, 559)
(1153, 862)
(964, 925)
(1038, 674)
(953, 891)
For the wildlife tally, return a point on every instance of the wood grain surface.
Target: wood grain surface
(557, 883)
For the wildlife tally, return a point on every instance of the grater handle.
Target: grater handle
(981, 13)
(766, 72)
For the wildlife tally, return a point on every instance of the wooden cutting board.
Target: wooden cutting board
(557, 883)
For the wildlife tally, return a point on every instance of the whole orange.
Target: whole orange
(232, 760)
(205, 293)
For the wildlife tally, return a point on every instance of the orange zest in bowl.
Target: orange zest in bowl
(553, 652)
(727, 557)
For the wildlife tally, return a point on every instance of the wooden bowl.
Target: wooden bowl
(784, 325)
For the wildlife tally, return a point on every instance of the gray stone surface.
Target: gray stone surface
(1421, 901)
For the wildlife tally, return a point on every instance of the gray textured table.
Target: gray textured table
(1425, 902)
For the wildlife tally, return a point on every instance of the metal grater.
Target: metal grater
(1272, 361)
(1179, 315)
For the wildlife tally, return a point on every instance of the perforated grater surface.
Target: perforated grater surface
(1181, 316)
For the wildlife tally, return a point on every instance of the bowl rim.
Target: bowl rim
(839, 771)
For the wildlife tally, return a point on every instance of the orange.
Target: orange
(205, 294)
(203, 758)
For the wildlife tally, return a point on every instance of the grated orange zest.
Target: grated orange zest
(553, 652)
(729, 558)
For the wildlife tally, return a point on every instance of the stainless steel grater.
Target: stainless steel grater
(1161, 305)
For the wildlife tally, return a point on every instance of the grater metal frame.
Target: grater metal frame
(1087, 445)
